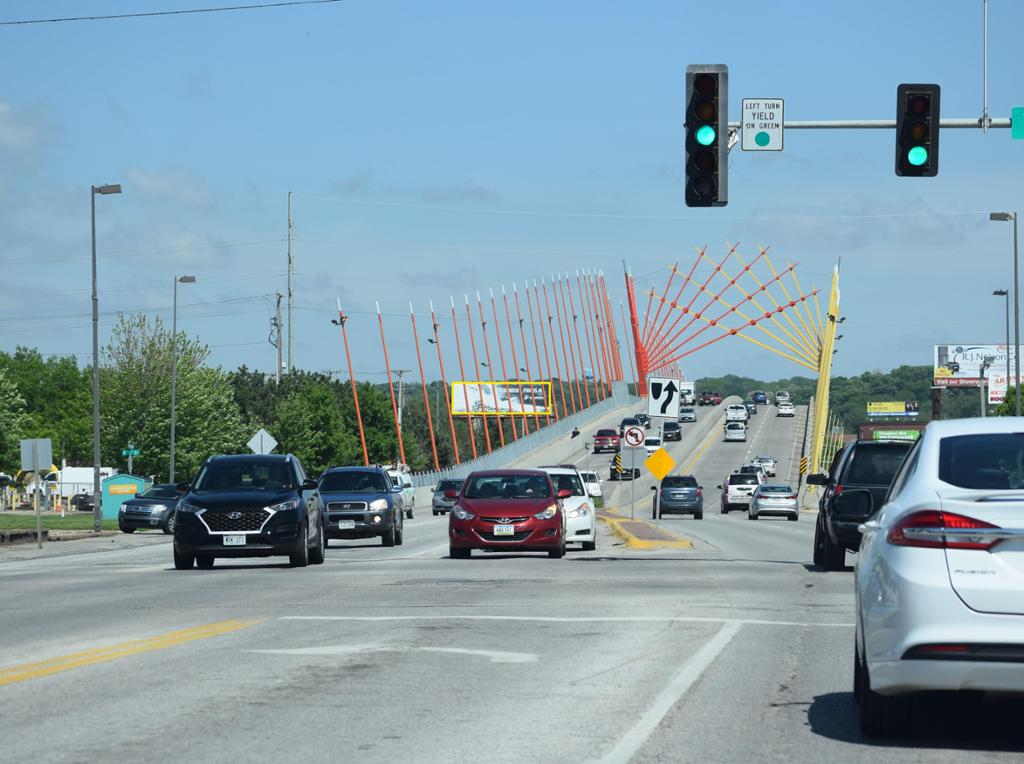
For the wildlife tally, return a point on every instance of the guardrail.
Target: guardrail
(501, 457)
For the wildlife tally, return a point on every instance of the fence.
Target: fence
(501, 457)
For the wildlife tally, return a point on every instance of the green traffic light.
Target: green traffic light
(917, 156)
(705, 135)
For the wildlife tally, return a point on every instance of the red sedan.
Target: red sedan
(510, 510)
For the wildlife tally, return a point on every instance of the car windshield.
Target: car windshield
(160, 492)
(508, 487)
(354, 481)
(654, 441)
(776, 489)
(590, 477)
(735, 426)
(449, 485)
(876, 465)
(679, 481)
(568, 483)
(988, 460)
(235, 475)
(607, 434)
(743, 479)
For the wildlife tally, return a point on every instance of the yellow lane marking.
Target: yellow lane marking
(711, 437)
(103, 654)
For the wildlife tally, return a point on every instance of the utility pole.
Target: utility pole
(401, 392)
(291, 333)
(275, 337)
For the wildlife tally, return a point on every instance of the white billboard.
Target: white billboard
(960, 365)
(500, 398)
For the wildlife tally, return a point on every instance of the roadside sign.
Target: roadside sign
(660, 463)
(36, 455)
(262, 442)
(1017, 123)
(663, 398)
(634, 437)
(761, 124)
(803, 465)
(130, 452)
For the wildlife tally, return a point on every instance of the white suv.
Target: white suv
(580, 519)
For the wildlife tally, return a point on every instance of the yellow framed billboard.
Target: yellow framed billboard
(493, 397)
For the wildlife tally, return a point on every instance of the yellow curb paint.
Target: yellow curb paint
(631, 541)
(39, 669)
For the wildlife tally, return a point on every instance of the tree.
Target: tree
(310, 426)
(12, 423)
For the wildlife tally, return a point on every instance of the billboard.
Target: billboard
(960, 365)
(892, 408)
(500, 398)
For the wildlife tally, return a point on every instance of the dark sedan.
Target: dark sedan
(671, 431)
(153, 508)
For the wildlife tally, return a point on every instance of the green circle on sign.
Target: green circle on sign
(917, 156)
(705, 135)
(762, 138)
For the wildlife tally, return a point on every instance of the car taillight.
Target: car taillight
(837, 490)
(927, 528)
(699, 493)
(792, 498)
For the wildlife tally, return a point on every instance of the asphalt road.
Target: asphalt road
(736, 651)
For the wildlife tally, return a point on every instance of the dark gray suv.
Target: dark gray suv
(680, 495)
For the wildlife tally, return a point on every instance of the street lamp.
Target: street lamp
(1004, 217)
(174, 366)
(1005, 293)
(97, 497)
(986, 363)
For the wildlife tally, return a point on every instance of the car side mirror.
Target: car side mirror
(309, 484)
(450, 494)
(818, 478)
(138, 496)
(396, 489)
(564, 493)
(856, 503)
(182, 487)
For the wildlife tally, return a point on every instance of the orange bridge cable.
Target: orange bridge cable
(553, 404)
(688, 308)
(536, 349)
(584, 315)
(342, 320)
(423, 382)
(668, 285)
(625, 337)
(607, 334)
(465, 388)
(504, 371)
(570, 372)
(638, 349)
(647, 319)
(525, 422)
(600, 352)
(526, 356)
(574, 331)
(391, 388)
(554, 351)
(492, 372)
(610, 317)
(476, 367)
(660, 330)
(444, 384)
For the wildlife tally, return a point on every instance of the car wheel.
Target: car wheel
(833, 556)
(400, 535)
(204, 561)
(126, 530)
(557, 554)
(698, 515)
(794, 518)
(183, 561)
(590, 546)
(169, 525)
(725, 509)
(752, 515)
(408, 514)
(880, 715)
(436, 513)
(819, 554)
(388, 539)
(300, 557)
(317, 555)
(459, 554)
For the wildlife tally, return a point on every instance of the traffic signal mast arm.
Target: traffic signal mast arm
(872, 124)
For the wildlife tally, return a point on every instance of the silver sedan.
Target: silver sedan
(774, 499)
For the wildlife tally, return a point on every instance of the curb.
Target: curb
(632, 541)
(21, 536)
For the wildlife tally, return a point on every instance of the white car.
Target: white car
(652, 444)
(593, 484)
(580, 518)
(735, 431)
(767, 463)
(785, 408)
(401, 480)
(939, 579)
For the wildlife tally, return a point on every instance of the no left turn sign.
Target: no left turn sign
(634, 436)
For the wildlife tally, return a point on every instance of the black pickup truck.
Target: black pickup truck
(863, 464)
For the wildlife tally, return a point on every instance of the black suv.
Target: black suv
(248, 506)
(864, 464)
(670, 431)
(362, 502)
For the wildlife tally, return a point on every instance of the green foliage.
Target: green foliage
(309, 426)
(12, 423)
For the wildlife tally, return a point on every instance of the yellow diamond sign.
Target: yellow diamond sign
(660, 463)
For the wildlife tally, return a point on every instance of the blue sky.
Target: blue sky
(444, 147)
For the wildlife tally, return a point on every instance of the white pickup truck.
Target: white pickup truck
(736, 413)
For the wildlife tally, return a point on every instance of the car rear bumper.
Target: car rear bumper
(782, 510)
(680, 508)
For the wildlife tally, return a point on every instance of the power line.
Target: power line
(168, 13)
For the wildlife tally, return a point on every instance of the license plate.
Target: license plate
(346, 525)
(234, 541)
(504, 530)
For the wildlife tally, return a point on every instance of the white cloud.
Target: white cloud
(177, 185)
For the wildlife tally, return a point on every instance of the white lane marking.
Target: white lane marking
(432, 550)
(688, 673)
(566, 619)
(495, 656)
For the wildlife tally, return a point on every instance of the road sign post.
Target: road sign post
(36, 457)
(762, 124)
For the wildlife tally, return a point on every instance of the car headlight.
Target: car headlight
(548, 513)
(284, 506)
(459, 513)
(378, 505)
(583, 510)
(184, 506)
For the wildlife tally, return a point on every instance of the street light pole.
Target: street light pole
(97, 495)
(1005, 293)
(1006, 216)
(174, 367)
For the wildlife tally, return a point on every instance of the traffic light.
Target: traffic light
(707, 135)
(917, 130)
